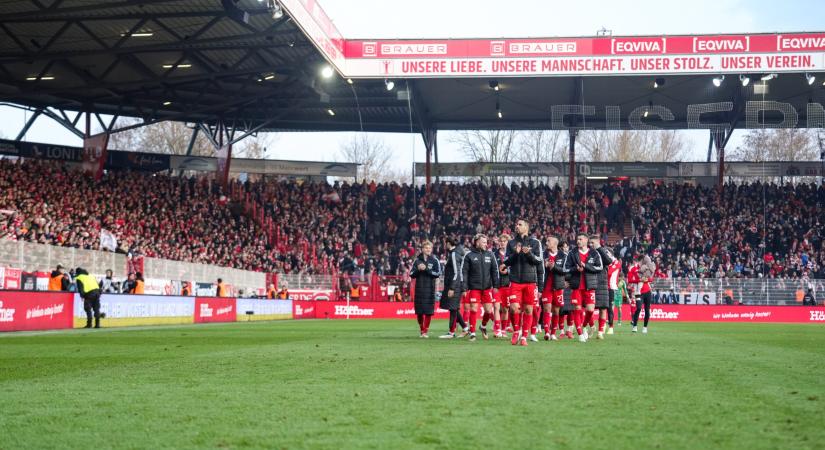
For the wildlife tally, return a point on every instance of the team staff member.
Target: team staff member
(186, 290)
(525, 258)
(451, 295)
(479, 275)
(271, 292)
(604, 295)
(583, 265)
(89, 291)
(425, 269)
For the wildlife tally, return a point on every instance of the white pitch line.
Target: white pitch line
(11, 334)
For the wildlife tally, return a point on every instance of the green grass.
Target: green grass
(375, 384)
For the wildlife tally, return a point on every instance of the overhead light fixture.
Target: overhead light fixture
(745, 80)
(717, 81)
(349, 80)
(276, 9)
(138, 34)
(179, 66)
(330, 112)
(327, 72)
(494, 85)
(389, 84)
(269, 77)
(658, 82)
(769, 76)
(43, 78)
(167, 103)
(810, 78)
(498, 109)
(649, 107)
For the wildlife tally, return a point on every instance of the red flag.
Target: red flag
(224, 156)
(94, 154)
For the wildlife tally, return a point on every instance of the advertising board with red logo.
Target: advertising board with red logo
(214, 309)
(25, 311)
(719, 313)
(303, 309)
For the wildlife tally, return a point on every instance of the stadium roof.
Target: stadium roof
(205, 60)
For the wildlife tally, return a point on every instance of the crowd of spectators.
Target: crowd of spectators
(750, 230)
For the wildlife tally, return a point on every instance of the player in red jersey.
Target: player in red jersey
(584, 265)
(642, 274)
(525, 258)
(501, 297)
(553, 295)
(479, 278)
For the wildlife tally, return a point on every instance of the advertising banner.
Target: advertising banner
(114, 159)
(719, 313)
(265, 166)
(370, 310)
(123, 310)
(303, 309)
(28, 281)
(609, 55)
(263, 309)
(25, 311)
(311, 294)
(12, 279)
(214, 309)
(205, 289)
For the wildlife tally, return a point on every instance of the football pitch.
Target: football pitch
(375, 384)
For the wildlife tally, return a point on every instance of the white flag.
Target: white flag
(107, 240)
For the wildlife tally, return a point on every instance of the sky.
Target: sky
(515, 18)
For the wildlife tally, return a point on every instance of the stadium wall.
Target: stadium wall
(30, 257)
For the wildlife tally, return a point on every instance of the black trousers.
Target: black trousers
(645, 300)
(91, 302)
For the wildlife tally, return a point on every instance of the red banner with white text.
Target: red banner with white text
(358, 310)
(213, 309)
(614, 55)
(25, 311)
(721, 313)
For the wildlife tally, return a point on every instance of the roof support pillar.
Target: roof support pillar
(572, 158)
(28, 124)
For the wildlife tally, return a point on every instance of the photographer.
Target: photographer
(89, 291)
(107, 284)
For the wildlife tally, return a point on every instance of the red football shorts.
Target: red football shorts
(480, 296)
(525, 294)
(500, 295)
(583, 297)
